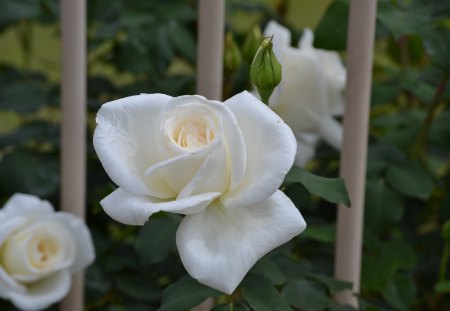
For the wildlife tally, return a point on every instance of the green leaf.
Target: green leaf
(400, 292)
(129, 306)
(383, 207)
(380, 267)
(331, 33)
(13, 11)
(23, 96)
(440, 130)
(139, 286)
(410, 179)
(39, 131)
(184, 294)
(325, 233)
(156, 239)
(261, 295)
(96, 282)
(329, 189)
(231, 307)
(306, 295)
(343, 308)
(29, 172)
(401, 22)
(182, 41)
(270, 270)
(443, 287)
(333, 285)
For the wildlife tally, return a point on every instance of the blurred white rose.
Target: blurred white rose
(220, 164)
(39, 250)
(310, 92)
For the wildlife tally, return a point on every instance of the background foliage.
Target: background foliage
(140, 46)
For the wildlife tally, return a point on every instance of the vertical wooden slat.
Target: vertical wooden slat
(73, 142)
(210, 48)
(360, 41)
(211, 19)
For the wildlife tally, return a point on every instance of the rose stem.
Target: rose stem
(360, 42)
(73, 137)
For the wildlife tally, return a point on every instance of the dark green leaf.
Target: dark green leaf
(383, 207)
(231, 307)
(331, 283)
(306, 295)
(129, 307)
(401, 21)
(400, 292)
(443, 287)
(156, 239)
(331, 33)
(96, 282)
(39, 131)
(183, 41)
(261, 295)
(325, 233)
(270, 270)
(343, 308)
(139, 286)
(184, 294)
(29, 172)
(23, 96)
(440, 130)
(13, 11)
(330, 189)
(410, 179)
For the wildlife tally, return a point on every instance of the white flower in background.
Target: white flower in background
(310, 92)
(220, 164)
(39, 250)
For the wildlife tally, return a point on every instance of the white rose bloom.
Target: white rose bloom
(39, 250)
(220, 164)
(310, 92)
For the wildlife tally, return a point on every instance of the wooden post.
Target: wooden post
(210, 65)
(73, 123)
(360, 40)
(210, 48)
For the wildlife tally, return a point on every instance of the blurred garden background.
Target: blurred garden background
(149, 46)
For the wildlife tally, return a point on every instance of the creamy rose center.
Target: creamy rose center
(39, 248)
(43, 251)
(191, 127)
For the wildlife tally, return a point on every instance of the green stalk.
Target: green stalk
(444, 261)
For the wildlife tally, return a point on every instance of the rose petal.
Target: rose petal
(27, 205)
(9, 285)
(306, 148)
(42, 294)
(218, 246)
(168, 178)
(303, 97)
(232, 134)
(8, 226)
(125, 138)
(84, 247)
(133, 209)
(331, 131)
(212, 176)
(270, 146)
